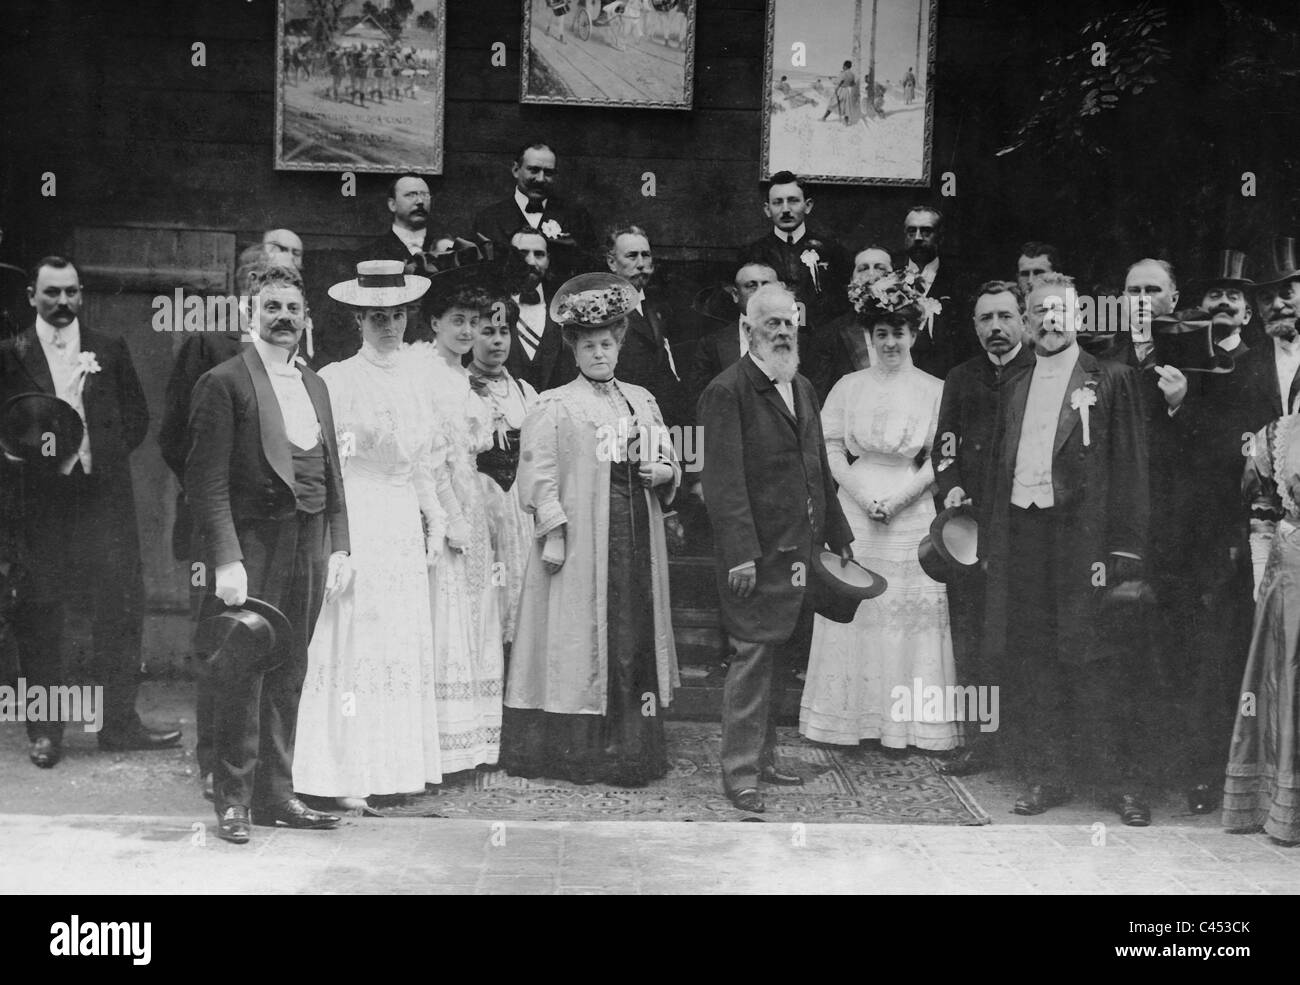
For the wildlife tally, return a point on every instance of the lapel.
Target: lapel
(728, 345)
(638, 323)
(34, 361)
(768, 389)
(1017, 399)
(275, 442)
(1270, 382)
(1069, 418)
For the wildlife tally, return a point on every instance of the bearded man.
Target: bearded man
(772, 503)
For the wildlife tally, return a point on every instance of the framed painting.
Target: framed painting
(633, 53)
(847, 97)
(360, 85)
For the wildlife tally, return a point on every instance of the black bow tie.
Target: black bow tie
(534, 208)
(530, 297)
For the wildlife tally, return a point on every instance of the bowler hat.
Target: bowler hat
(951, 548)
(40, 430)
(592, 301)
(1227, 270)
(1185, 339)
(1281, 265)
(838, 588)
(255, 635)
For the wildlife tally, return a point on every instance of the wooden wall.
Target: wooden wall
(137, 135)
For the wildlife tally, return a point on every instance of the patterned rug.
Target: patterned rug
(859, 786)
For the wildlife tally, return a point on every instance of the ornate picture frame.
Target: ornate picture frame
(817, 120)
(360, 92)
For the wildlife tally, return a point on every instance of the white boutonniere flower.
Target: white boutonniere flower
(86, 364)
(551, 229)
(347, 444)
(812, 260)
(1080, 400)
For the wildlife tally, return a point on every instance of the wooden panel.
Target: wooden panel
(128, 314)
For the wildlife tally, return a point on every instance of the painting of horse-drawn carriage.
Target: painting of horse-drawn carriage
(609, 53)
(360, 85)
(848, 98)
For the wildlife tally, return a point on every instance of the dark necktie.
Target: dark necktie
(530, 297)
(533, 208)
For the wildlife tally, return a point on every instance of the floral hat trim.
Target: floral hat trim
(595, 306)
(891, 292)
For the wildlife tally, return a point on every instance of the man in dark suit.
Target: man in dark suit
(772, 503)
(1067, 514)
(76, 529)
(808, 262)
(968, 415)
(646, 357)
(534, 204)
(263, 481)
(537, 350)
(410, 202)
(945, 340)
(727, 341)
(1226, 413)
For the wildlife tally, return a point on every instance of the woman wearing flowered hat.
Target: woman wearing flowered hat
(593, 662)
(884, 416)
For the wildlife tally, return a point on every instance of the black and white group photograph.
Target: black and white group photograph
(666, 447)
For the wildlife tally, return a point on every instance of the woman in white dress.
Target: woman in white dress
(884, 416)
(508, 400)
(466, 603)
(367, 721)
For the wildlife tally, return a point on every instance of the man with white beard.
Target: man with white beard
(772, 503)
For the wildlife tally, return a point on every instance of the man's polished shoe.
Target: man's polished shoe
(1202, 799)
(748, 799)
(774, 776)
(293, 813)
(45, 753)
(139, 737)
(1041, 797)
(968, 761)
(1133, 811)
(232, 824)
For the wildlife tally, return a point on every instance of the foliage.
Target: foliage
(1120, 56)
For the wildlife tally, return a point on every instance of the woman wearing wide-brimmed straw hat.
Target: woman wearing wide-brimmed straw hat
(593, 661)
(367, 721)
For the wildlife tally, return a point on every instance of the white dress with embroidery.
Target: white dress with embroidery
(508, 401)
(368, 718)
(862, 675)
(465, 601)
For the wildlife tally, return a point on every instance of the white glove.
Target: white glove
(232, 583)
(553, 552)
(458, 534)
(338, 577)
(956, 497)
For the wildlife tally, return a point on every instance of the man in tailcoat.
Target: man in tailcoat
(1067, 516)
(944, 340)
(806, 260)
(74, 531)
(535, 204)
(772, 503)
(265, 490)
(968, 416)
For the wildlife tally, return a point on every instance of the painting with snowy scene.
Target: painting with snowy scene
(847, 96)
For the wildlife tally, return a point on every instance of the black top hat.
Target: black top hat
(717, 304)
(255, 635)
(1228, 270)
(466, 263)
(838, 588)
(1281, 265)
(40, 430)
(951, 547)
(1185, 339)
